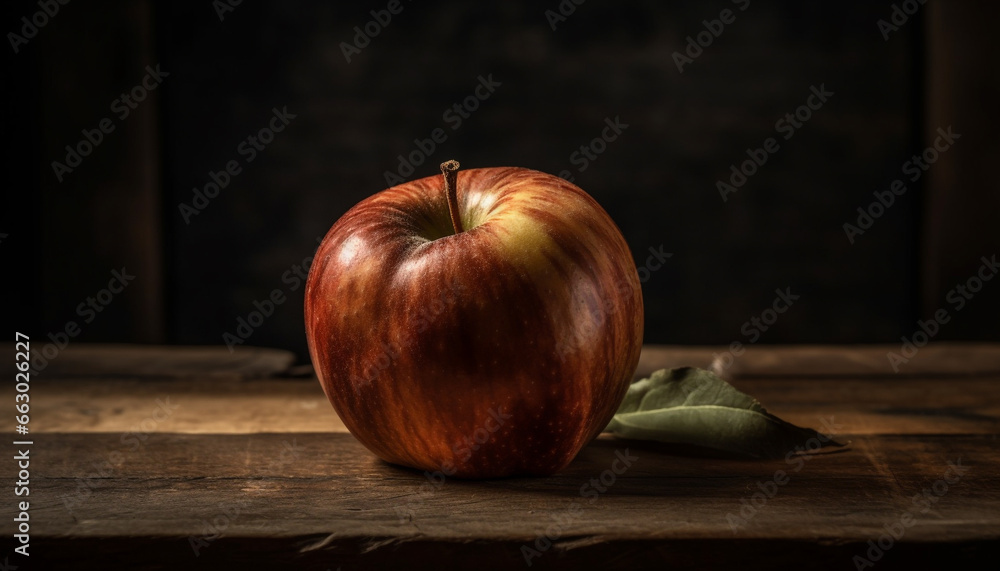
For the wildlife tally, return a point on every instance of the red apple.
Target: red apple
(498, 349)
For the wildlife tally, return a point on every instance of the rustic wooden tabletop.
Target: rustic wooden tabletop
(168, 458)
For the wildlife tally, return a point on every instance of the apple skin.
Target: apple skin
(502, 350)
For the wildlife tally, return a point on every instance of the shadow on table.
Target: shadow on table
(630, 468)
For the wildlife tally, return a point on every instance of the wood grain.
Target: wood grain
(936, 359)
(960, 198)
(159, 362)
(862, 406)
(323, 499)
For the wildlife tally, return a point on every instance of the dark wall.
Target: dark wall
(784, 228)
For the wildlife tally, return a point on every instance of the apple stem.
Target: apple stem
(450, 171)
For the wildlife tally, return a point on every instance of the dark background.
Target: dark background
(782, 229)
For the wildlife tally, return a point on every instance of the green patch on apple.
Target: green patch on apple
(694, 406)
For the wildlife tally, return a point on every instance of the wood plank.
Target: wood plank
(109, 212)
(264, 465)
(570, 555)
(321, 499)
(155, 361)
(960, 195)
(807, 361)
(161, 361)
(203, 406)
(893, 405)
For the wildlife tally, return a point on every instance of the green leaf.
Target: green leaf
(694, 406)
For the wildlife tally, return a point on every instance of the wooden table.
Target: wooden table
(173, 458)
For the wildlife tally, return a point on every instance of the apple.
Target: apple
(481, 323)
